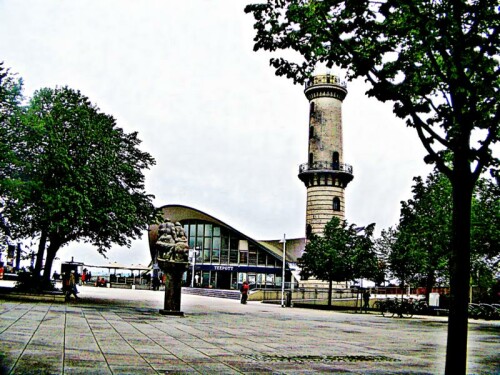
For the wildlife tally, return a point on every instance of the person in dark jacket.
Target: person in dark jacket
(366, 300)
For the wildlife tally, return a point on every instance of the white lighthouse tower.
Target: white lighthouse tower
(325, 174)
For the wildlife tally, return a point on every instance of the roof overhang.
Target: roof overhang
(178, 213)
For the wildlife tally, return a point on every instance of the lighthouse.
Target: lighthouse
(325, 174)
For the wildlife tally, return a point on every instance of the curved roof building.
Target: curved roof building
(225, 257)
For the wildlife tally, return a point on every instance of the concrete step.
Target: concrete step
(218, 293)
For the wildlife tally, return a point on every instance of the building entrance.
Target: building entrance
(224, 280)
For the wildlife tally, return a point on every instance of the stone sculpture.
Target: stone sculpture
(172, 256)
(172, 244)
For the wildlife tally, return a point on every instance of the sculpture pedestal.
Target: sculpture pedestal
(173, 286)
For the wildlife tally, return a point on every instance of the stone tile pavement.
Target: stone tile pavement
(112, 331)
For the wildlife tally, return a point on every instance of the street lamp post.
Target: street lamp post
(194, 253)
(283, 273)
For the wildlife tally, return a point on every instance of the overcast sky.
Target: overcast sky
(227, 134)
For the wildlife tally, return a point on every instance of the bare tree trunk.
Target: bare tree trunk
(40, 253)
(51, 254)
(456, 349)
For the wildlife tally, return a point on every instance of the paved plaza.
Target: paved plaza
(117, 331)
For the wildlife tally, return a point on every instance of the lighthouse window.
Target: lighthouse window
(336, 204)
(311, 131)
(311, 109)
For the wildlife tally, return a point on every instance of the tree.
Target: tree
(10, 104)
(485, 238)
(425, 230)
(401, 263)
(341, 254)
(81, 177)
(418, 250)
(437, 61)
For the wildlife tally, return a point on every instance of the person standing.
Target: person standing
(156, 283)
(244, 292)
(366, 300)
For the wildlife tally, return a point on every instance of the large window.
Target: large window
(216, 250)
(252, 255)
(261, 258)
(233, 250)
(224, 251)
(199, 230)
(218, 245)
(243, 257)
(243, 249)
(207, 249)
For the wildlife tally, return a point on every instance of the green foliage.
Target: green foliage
(485, 235)
(80, 177)
(418, 251)
(437, 61)
(343, 253)
(423, 243)
(10, 106)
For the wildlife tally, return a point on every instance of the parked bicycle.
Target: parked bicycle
(484, 311)
(421, 307)
(403, 308)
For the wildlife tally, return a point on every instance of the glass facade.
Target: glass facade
(224, 259)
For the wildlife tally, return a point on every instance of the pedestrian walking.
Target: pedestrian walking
(72, 287)
(244, 292)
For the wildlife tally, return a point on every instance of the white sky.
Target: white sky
(227, 134)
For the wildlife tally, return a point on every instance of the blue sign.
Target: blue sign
(227, 268)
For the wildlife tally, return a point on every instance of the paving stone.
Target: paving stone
(125, 334)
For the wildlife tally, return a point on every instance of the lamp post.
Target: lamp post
(194, 253)
(283, 273)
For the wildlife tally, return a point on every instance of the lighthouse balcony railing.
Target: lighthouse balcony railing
(324, 165)
(324, 79)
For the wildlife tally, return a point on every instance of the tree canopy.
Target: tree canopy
(343, 253)
(418, 250)
(10, 101)
(425, 230)
(437, 61)
(80, 176)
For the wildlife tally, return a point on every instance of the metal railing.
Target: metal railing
(325, 79)
(324, 165)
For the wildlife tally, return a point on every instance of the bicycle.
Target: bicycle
(401, 308)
